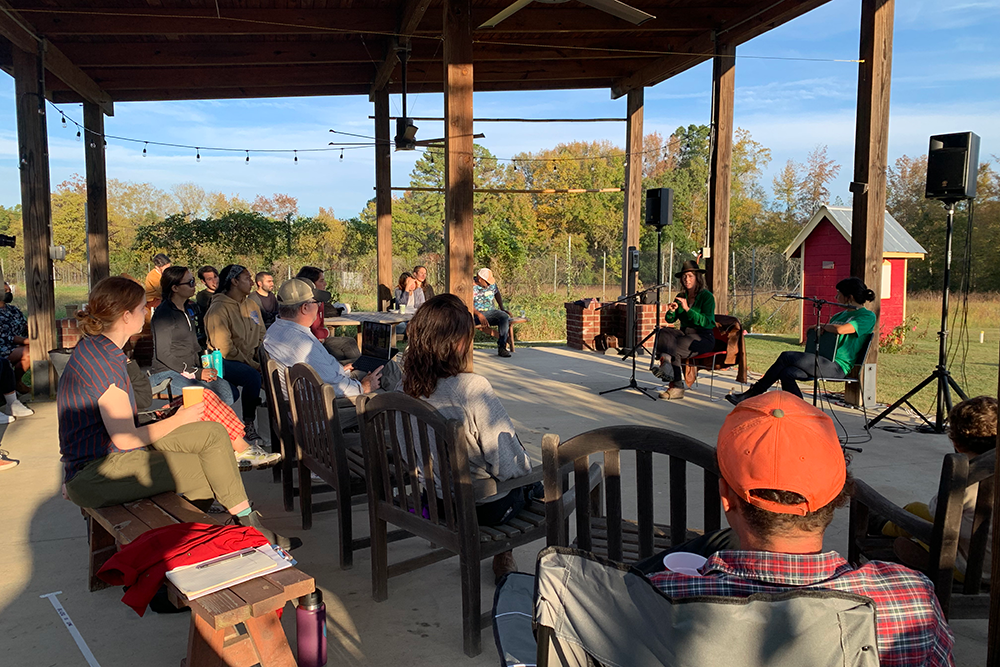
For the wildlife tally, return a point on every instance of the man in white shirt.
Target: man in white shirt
(289, 341)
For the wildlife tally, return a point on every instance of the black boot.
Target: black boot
(253, 520)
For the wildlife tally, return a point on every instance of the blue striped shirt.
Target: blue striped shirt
(96, 364)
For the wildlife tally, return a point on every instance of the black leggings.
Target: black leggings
(792, 366)
(673, 345)
(8, 382)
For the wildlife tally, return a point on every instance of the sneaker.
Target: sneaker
(6, 463)
(503, 352)
(736, 398)
(658, 372)
(253, 520)
(672, 394)
(19, 409)
(5, 418)
(250, 432)
(255, 457)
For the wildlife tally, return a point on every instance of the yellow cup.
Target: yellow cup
(193, 396)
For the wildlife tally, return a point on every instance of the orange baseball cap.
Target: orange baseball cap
(778, 441)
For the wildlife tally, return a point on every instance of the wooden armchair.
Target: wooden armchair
(610, 535)
(321, 447)
(419, 479)
(969, 599)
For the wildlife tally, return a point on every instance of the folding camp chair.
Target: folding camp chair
(590, 611)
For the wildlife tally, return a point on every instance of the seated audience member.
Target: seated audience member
(176, 353)
(972, 429)
(851, 326)
(108, 459)
(235, 329)
(153, 291)
(420, 274)
(14, 337)
(408, 295)
(441, 336)
(264, 297)
(289, 341)
(344, 348)
(210, 277)
(484, 291)
(782, 476)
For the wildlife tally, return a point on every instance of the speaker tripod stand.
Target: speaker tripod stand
(940, 374)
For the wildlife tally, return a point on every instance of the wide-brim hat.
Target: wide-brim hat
(689, 265)
(298, 291)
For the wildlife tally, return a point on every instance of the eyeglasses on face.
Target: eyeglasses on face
(189, 283)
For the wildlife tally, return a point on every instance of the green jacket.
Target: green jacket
(700, 314)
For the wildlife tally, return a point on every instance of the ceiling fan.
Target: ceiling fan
(613, 7)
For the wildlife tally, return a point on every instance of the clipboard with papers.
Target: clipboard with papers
(200, 579)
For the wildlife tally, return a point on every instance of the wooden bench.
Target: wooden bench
(492, 331)
(214, 638)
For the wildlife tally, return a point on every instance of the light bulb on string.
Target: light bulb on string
(93, 144)
(296, 157)
(144, 148)
(78, 135)
(197, 154)
(341, 154)
(64, 122)
(248, 158)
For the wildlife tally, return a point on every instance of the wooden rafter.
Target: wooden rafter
(413, 12)
(21, 35)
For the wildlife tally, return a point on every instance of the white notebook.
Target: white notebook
(200, 579)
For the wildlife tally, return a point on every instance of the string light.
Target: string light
(248, 158)
(64, 121)
(296, 157)
(78, 135)
(341, 154)
(144, 149)
(197, 154)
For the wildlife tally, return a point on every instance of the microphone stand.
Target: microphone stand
(632, 384)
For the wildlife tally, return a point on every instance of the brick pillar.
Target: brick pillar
(582, 326)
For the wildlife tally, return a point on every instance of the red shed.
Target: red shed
(824, 246)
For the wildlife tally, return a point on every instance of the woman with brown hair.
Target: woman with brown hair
(107, 458)
(434, 369)
(694, 312)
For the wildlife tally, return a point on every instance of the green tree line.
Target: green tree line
(195, 226)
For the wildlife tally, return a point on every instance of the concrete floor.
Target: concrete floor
(544, 389)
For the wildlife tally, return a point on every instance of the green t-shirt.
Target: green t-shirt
(700, 314)
(849, 345)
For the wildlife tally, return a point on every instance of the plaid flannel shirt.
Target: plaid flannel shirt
(911, 628)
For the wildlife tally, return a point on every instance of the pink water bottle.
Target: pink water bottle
(310, 630)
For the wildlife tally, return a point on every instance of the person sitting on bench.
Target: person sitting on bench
(851, 325)
(108, 460)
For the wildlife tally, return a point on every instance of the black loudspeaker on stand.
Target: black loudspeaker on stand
(952, 168)
(659, 213)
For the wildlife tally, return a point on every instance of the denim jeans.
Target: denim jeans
(500, 320)
(221, 388)
(248, 380)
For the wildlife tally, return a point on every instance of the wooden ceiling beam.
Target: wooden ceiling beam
(54, 22)
(22, 35)
(205, 54)
(738, 30)
(413, 12)
(114, 79)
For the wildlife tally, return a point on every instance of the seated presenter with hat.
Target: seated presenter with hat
(693, 310)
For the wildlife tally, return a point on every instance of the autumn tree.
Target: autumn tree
(814, 188)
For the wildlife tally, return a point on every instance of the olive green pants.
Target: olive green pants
(195, 460)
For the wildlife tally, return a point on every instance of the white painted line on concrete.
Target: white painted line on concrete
(77, 637)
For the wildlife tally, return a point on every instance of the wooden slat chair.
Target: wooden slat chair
(414, 457)
(334, 456)
(274, 416)
(969, 599)
(610, 535)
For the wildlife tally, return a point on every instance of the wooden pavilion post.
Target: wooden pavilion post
(97, 193)
(458, 180)
(633, 182)
(871, 149)
(993, 634)
(723, 90)
(36, 212)
(383, 197)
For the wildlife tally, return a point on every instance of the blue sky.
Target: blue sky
(946, 78)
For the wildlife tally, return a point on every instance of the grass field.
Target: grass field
(974, 367)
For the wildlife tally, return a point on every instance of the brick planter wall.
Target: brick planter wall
(583, 325)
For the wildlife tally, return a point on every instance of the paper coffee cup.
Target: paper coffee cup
(193, 396)
(402, 309)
